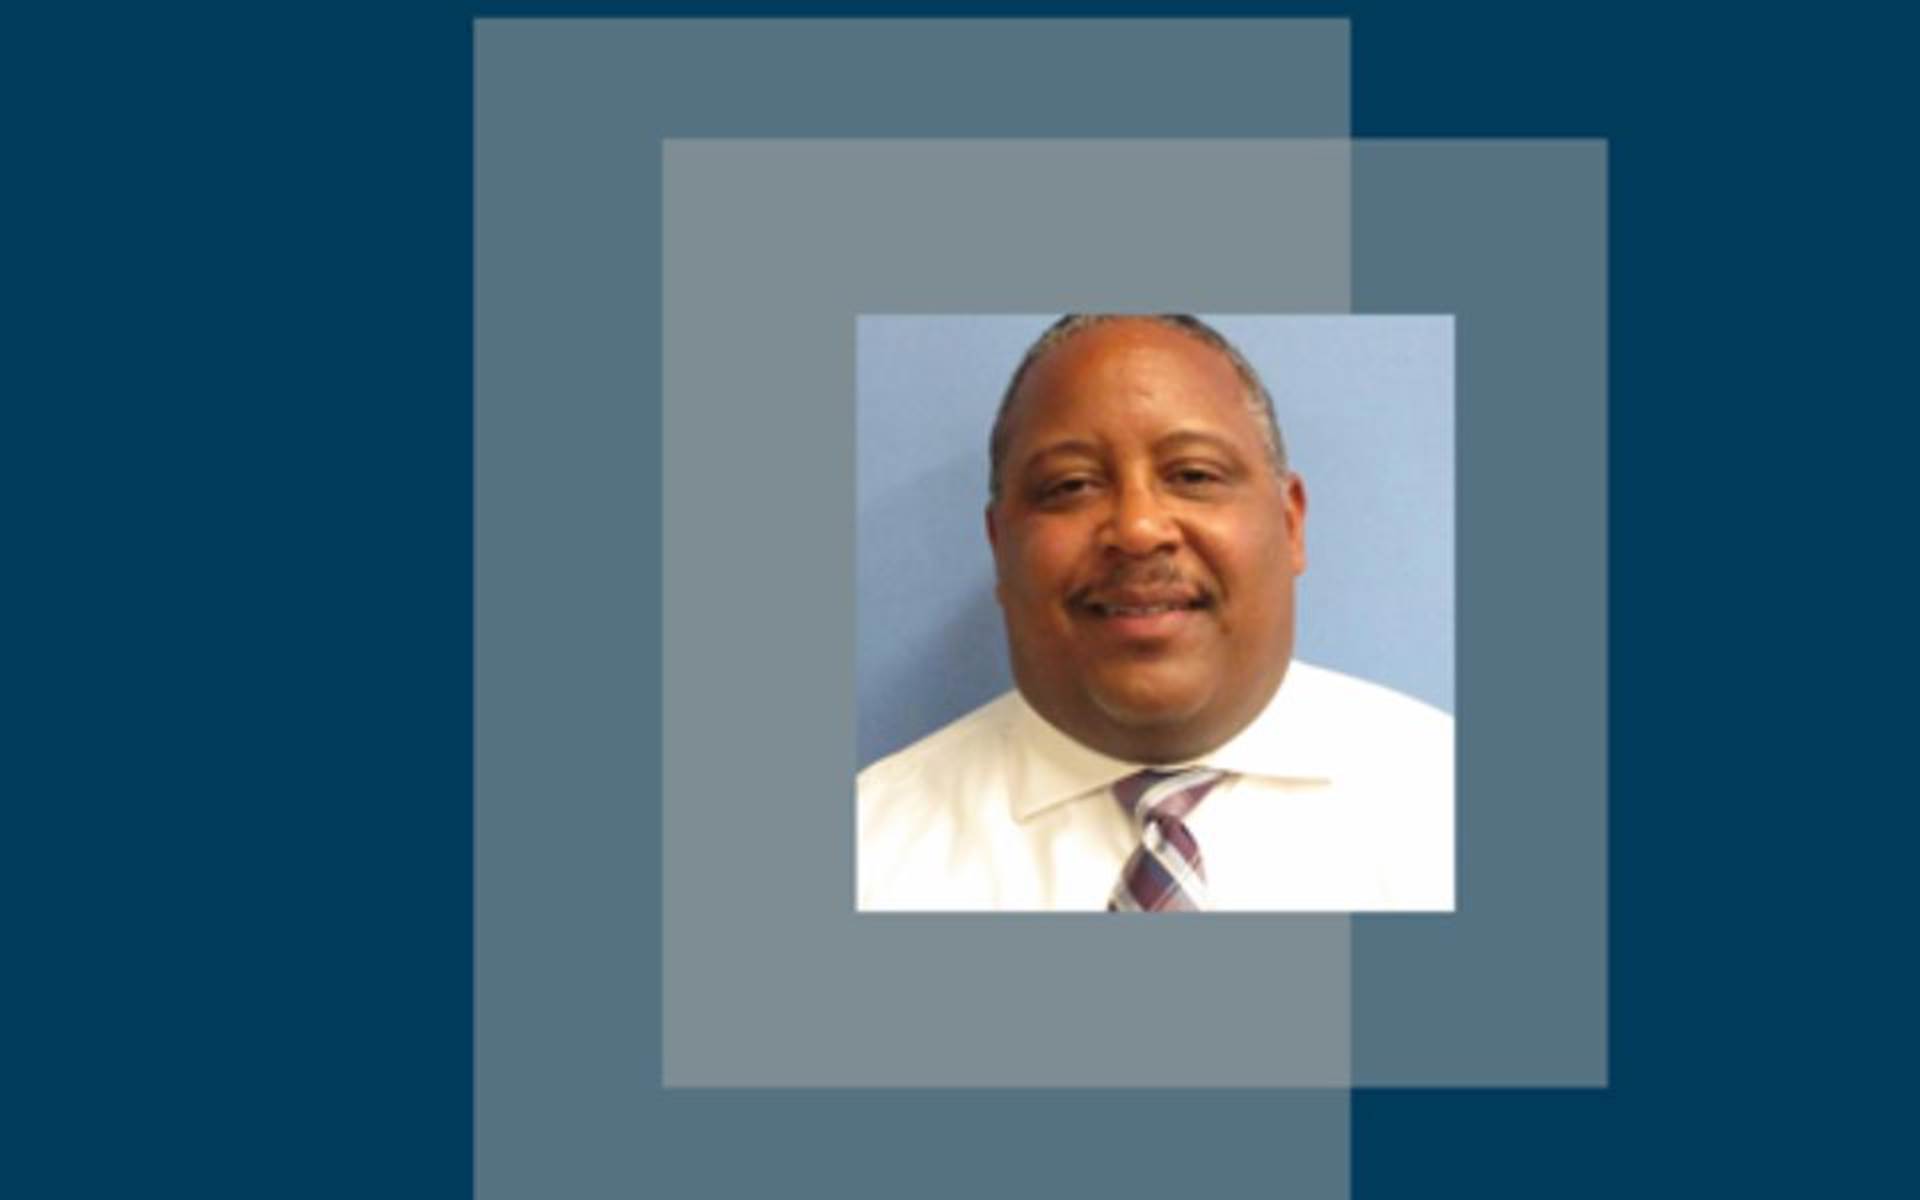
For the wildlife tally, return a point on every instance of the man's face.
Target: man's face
(1146, 548)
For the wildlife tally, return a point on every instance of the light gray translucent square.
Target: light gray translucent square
(773, 249)
(1510, 237)
(568, 924)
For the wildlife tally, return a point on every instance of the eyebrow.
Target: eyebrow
(1206, 437)
(1063, 446)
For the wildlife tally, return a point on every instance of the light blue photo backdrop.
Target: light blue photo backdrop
(1365, 403)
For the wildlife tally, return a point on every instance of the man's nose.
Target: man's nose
(1140, 523)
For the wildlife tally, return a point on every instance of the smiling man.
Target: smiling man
(1163, 750)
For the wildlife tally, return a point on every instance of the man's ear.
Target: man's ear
(1296, 502)
(993, 544)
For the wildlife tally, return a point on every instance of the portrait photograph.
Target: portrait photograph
(1155, 613)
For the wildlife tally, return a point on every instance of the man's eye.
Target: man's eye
(1196, 476)
(1066, 489)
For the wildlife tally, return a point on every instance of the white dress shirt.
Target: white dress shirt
(1340, 800)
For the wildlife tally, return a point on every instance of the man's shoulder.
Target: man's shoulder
(920, 808)
(1391, 761)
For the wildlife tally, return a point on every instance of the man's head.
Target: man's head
(1146, 535)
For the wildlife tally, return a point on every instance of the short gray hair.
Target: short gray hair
(1259, 402)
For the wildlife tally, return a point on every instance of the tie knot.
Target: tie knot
(1164, 795)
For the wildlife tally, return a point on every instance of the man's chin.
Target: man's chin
(1148, 709)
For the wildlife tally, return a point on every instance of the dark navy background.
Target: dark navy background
(237, 471)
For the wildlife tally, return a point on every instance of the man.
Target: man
(1163, 750)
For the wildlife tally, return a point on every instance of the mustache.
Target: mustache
(1158, 580)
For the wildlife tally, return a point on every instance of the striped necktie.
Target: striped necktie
(1164, 874)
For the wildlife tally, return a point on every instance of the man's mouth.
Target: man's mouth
(1144, 616)
(1115, 608)
(1144, 622)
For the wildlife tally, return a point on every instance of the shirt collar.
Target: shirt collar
(1288, 740)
